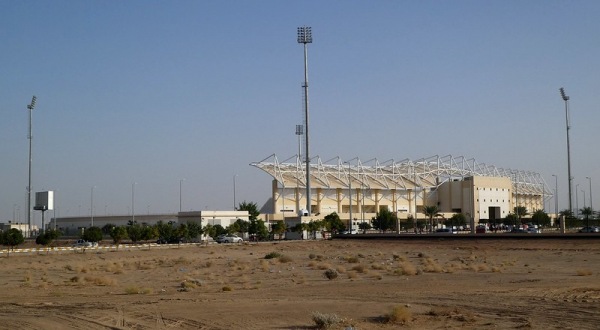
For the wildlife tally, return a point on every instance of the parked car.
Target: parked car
(353, 232)
(589, 230)
(220, 238)
(445, 231)
(81, 243)
(519, 231)
(231, 239)
(532, 230)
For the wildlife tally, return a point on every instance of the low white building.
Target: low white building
(76, 225)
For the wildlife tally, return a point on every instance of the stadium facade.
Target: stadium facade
(357, 190)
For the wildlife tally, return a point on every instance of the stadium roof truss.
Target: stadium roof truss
(424, 173)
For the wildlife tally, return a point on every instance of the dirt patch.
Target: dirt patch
(378, 285)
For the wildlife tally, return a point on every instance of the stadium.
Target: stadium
(357, 190)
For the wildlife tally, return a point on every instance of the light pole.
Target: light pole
(180, 184)
(92, 207)
(590, 179)
(577, 200)
(30, 137)
(555, 195)
(133, 202)
(566, 99)
(234, 202)
(584, 205)
(305, 37)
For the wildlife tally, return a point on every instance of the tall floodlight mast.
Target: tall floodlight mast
(30, 137)
(566, 99)
(305, 37)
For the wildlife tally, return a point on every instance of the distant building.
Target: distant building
(75, 225)
(357, 191)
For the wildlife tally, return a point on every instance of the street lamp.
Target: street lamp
(590, 179)
(566, 99)
(92, 207)
(305, 37)
(180, 184)
(234, 202)
(30, 106)
(577, 200)
(133, 202)
(555, 195)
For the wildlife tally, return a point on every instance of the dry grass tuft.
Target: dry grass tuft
(325, 321)
(431, 266)
(406, 268)
(584, 272)
(399, 315)
(360, 269)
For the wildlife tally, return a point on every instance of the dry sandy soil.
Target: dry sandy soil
(441, 284)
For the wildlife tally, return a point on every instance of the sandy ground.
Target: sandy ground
(380, 285)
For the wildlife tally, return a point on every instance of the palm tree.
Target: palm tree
(587, 211)
(431, 212)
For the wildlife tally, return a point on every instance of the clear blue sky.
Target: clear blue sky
(158, 91)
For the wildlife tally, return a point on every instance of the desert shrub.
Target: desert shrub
(431, 266)
(399, 314)
(227, 288)
(312, 256)
(360, 269)
(407, 268)
(285, 259)
(584, 272)
(352, 260)
(273, 255)
(330, 274)
(325, 321)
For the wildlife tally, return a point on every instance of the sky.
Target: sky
(137, 99)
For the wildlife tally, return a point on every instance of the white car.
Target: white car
(532, 230)
(84, 244)
(232, 239)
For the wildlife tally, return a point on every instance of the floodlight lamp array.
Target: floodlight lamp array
(564, 96)
(32, 104)
(304, 35)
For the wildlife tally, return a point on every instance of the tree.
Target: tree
(12, 238)
(252, 209)
(118, 234)
(92, 234)
(314, 226)
(520, 211)
(431, 212)
(149, 233)
(511, 220)
(364, 226)
(166, 231)
(47, 238)
(385, 220)
(587, 211)
(239, 226)
(107, 228)
(300, 228)
(134, 232)
(457, 219)
(182, 232)
(540, 217)
(194, 230)
(278, 228)
(333, 223)
(258, 228)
